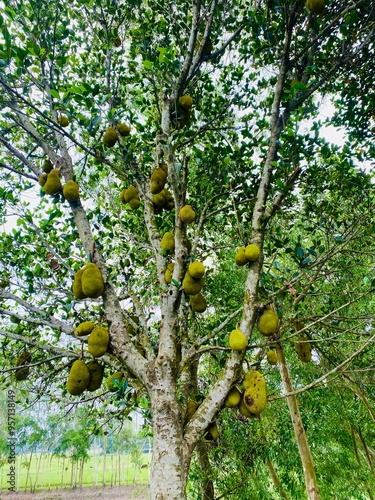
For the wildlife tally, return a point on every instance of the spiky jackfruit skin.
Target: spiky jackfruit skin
(96, 375)
(123, 129)
(71, 191)
(98, 341)
(158, 180)
(272, 357)
(63, 121)
(167, 242)
(185, 101)
(79, 378)
(240, 257)
(84, 328)
(233, 398)
(187, 214)
(110, 384)
(130, 193)
(268, 322)
(168, 273)
(23, 371)
(169, 201)
(196, 269)
(190, 285)
(92, 281)
(135, 203)
(110, 137)
(198, 303)
(159, 199)
(237, 340)
(303, 349)
(243, 409)
(47, 166)
(53, 185)
(316, 6)
(252, 252)
(77, 285)
(255, 395)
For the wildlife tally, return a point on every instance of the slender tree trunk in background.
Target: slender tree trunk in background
(95, 466)
(275, 479)
(50, 474)
(112, 472)
(38, 463)
(81, 469)
(19, 472)
(207, 487)
(28, 472)
(299, 431)
(119, 466)
(62, 473)
(104, 460)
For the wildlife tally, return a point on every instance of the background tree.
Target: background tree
(245, 152)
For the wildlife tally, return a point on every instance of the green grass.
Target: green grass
(56, 473)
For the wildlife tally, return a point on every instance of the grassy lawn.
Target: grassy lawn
(56, 472)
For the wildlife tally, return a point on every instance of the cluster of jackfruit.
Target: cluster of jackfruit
(71, 191)
(98, 337)
(181, 116)
(163, 200)
(110, 136)
(187, 214)
(51, 182)
(193, 280)
(167, 242)
(84, 377)
(316, 6)
(237, 340)
(250, 253)
(22, 371)
(268, 321)
(88, 282)
(158, 179)
(130, 195)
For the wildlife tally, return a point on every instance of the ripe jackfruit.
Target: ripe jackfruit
(268, 322)
(84, 328)
(167, 242)
(92, 281)
(79, 378)
(77, 285)
(272, 357)
(123, 129)
(96, 375)
(168, 273)
(110, 137)
(190, 285)
(252, 252)
(316, 6)
(110, 381)
(303, 349)
(47, 166)
(98, 341)
(63, 121)
(196, 269)
(240, 257)
(255, 395)
(185, 101)
(233, 398)
(53, 185)
(71, 191)
(158, 179)
(237, 340)
(198, 303)
(187, 214)
(23, 371)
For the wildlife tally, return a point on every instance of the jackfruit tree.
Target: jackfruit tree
(169, 176)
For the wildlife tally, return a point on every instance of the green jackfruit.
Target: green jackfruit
(98, 341)
(53, 185)
(167, 242)
(187, 214)
(212, 431)
(110, 137)
(110, 381)
(237, 340)
(303, 349)
(77, 285)
(191, 408)
(23, 371)
(168, 273)
(79, 378)
(240, 257)
(159, 199)
(268, 322)
(198, 303)
(63, 120)
(71, 191)
(124, 130)
(196, 269)
(233, 398)
(252, 252)
(169, 201)
(47, 166)
(185, 101)
(272, 357)
(84, 328)
(255, 395)
(96, 375)
(135, 203)
(243, 409)
(92, 281)
(130, 193)
(192, 286)
(43, 179)
(316, 6)
(158, 180)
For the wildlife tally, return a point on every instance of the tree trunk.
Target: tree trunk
(80, 483)
(275, 479)
(104, 460)
(207, 486)
(299, 431)
(28, 472)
